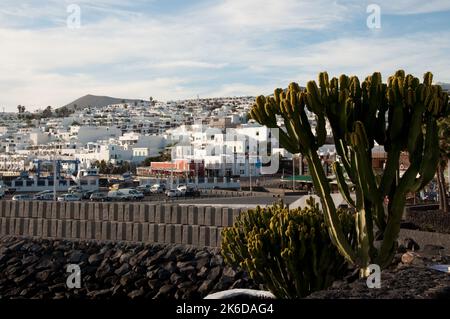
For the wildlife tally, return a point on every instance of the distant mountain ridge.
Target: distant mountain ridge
(445, 86)
(96, 101)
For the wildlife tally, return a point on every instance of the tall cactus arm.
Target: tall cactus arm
(366, 177)
(363, 218)
(388, 246)
(329, 209)
(390, 170)
(342, 184)
(431, 153)
(425, 167)
(341, 150)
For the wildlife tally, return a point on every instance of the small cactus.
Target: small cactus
(288, 251)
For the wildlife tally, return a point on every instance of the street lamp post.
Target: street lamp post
(293, 172)
(54, 176)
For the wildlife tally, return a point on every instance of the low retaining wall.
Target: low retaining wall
(134, 222)
(229, 193)
(424, 238)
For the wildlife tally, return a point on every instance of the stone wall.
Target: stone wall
(133, 222)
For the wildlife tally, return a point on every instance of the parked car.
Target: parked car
(182, 188)
(430, 196)
(117, 196)
(75, 189)
(48, 191)
(69, 197)
(132, 194)
(22, 197)
(158, 188)
(98, 197)
(192, 192)
(44, 196)
(7, 190)
(173, 193)
(87, 194)
(145, 189)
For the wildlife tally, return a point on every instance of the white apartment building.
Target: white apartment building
(106, 151)
(86, 134)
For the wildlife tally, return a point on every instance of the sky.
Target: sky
(175, 49)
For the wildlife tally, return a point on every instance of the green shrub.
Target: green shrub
(288, 251)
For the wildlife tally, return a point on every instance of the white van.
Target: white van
(132, 193)
(157, 189)
(117, 195)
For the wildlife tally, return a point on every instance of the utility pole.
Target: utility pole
(171, 176)
(293, 172)
(250, 173)
(300, 164)
(54, 176)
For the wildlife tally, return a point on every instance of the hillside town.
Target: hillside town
(216, 134)
(209, 140)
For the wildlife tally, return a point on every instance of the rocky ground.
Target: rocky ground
(408, 278)
(406, 282)
(37, 269)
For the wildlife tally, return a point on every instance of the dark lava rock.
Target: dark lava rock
(205, 287)
(406, 282)
(95, 259)
(214, 273)
(125, 258)
(122, 270)
(104, 270)
(155, 258)
(165, 291)
(163, 274)
(202, 262)
(36, 269)
(176, 279)
(76, 257)
(100, 293)
(154, 284)
(136, 293)
(43, 275)
(187, 269)
(29, 260)
(202, 273)
(170, 266)
(44, 264)
(183, 264)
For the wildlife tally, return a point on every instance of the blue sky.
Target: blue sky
(180, 49)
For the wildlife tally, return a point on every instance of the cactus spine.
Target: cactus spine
(400, 115)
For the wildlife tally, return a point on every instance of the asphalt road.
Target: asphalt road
(238, 202)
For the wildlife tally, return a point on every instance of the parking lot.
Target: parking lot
(207, 198)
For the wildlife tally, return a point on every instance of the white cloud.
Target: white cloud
(233, 42)
(405, 7)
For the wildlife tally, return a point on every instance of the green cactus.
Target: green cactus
(400, 115)
(289, 251)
